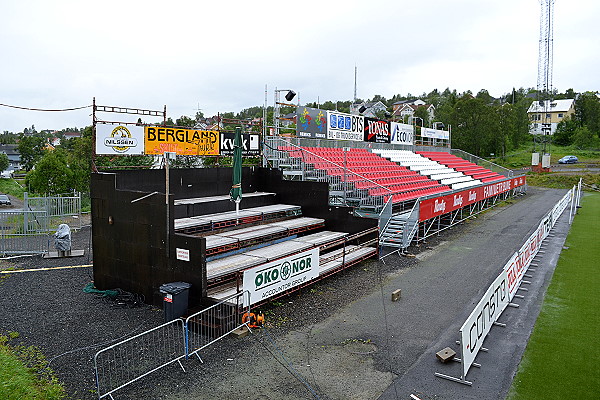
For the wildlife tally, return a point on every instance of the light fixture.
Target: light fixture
(362, 109)
(290, 95)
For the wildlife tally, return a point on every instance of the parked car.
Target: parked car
(4, 200)
(568, 160)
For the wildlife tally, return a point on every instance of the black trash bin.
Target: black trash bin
(175, 299)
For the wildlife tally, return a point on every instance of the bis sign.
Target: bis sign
(275, 277)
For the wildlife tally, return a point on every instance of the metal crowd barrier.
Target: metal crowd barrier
(130, 360)
(214, 323)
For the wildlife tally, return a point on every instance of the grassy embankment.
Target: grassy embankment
(24, 373)
(566, 177)
(561, 360)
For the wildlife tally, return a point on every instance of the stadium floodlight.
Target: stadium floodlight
(290, 95)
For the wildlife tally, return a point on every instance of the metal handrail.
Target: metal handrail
(333, 163)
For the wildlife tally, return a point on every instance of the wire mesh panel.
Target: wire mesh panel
(127, 361)
(23, 232)
(58, 209)
(216, 322)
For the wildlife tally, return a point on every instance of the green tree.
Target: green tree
(31, 149)
(587, 111)
(585, 139)
(565, 132)
(421, 112)
(4, 161)
(52, 174)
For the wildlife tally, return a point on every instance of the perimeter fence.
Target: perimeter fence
(28, 230)
(132, 359)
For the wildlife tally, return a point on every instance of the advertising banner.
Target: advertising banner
(188, 142)
(115, 139)
(479, 323)
(275, 277)
(342, 126)
(250, 144)
(431, 208)
(376, 130)
(435, 133)
(503, 289)
(312, 123)
(402, 133)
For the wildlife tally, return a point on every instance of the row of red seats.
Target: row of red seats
(398, 198)
(402, 188)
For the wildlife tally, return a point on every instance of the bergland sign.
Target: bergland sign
(276, 277)
(312, 123)
(115, 139)
(187, 142)
(342, 126)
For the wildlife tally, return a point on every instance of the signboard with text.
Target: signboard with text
(377, 130)
(116, 139)
(188, 142)
(342, 126)
(434, 207)
(402, 133)
(434, 133)
(311, 123)
(275, 277)
(250, 144)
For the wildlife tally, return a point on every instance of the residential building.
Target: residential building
(14, 157)
(549, 113)
(405, 109)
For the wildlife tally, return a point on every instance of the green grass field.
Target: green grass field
(562, 358)
(24, 373)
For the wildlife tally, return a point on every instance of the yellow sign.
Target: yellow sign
(187, 142)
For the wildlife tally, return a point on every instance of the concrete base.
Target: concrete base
(64, 254)
(445, 355)
(241, 332)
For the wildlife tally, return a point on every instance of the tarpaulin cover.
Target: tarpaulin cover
(62, 238)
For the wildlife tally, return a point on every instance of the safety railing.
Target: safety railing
(215, 322)
(483, 162)
(341, 187)
(23, 232)
(132, 359)
(58, 209)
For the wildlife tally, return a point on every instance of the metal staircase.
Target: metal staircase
(393, 233)
(398, 230)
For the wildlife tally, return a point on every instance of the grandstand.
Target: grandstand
(336, 201)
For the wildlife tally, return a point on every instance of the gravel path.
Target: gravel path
(328, 341)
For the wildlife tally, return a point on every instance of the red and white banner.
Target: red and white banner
(431, 208)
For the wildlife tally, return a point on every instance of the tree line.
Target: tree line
(480, 124)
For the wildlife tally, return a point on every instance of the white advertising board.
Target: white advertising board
(402, 133)
(504, 288)
(112, 139)
(275, 277)
(342, 126)
(434, 133)
(479, 323)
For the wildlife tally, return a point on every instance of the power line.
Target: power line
(44, 109)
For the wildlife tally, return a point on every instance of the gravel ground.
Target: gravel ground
(326, 341)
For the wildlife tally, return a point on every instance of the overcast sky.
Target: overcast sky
(219, 55)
